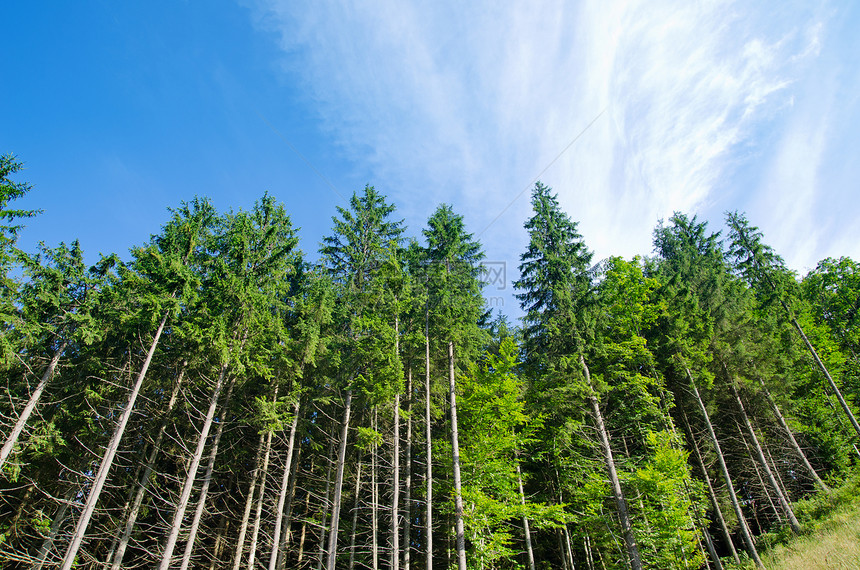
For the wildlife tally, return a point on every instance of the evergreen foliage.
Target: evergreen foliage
(213, 400)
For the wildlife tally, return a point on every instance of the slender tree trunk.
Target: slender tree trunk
(712, 552)
(56, 524)
(797, 449)
(562, 550)
(745, 531)
(126, 511)
(526, 531)
(395, 466)
(307, 513)
(620, 503)
(338, 483)
(326, 507)
(355, 517)
(265, 442)
(223, 528)
(569, 549)
(286, 527)
(775, 468)
(207, 480)
(455, 451)
(761, 482)
(727, 536)
(428, 518)
(783, 501)
(305, 528)
(282, 495)
(407, 499)
(146, 477)
(110, 452)
(31, 405)
(589, 559)
(564, 543)
(258, 514)
(249, 504)
(374, 502)
(191, 476)
(395, 484)
(826, 373)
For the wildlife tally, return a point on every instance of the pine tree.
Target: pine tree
(56, 310)
(560, 307)
(696, 288)
(454, 290)
(253, 258)
(766, 272)
(9, 191)
(166, 263)
(362, 239)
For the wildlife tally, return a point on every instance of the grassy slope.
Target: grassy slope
(834, 544)
(831, 538)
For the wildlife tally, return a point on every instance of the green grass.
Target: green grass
(835, 543)
(831, 533)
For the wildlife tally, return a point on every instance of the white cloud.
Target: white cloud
(467, 104)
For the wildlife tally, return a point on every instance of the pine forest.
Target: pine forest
(214, 399)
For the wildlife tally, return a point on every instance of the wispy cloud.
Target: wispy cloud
(467, 104)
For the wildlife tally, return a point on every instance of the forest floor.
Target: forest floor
(831, 538)
(834, 544)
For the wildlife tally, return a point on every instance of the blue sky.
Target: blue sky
(121, 110)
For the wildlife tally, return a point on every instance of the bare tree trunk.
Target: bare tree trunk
(562, 550)
(712, 552)
(326, 507)
(569, 549)
(775, 468)
(620, 503)
(31, 405)
(191, 476)
(745, 531)
(783, 501)
(282, 495)
(286, 527)
(218, 548)
(338, 483)
(249, 504)
(374, 502)
(110, 452)
(395, 484)
(146, 477)
(395, 465)
(781, 419)
(355, 517)
(455, 452)
(407, 499)
(207, 479)
(719, 512)
(258, 514)
(428, 518)
(126, 511)
(589, 559)
(265, 441)
(305, 529)
(526, 531)
(761, 482)
(305, 520)
(56, 524)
